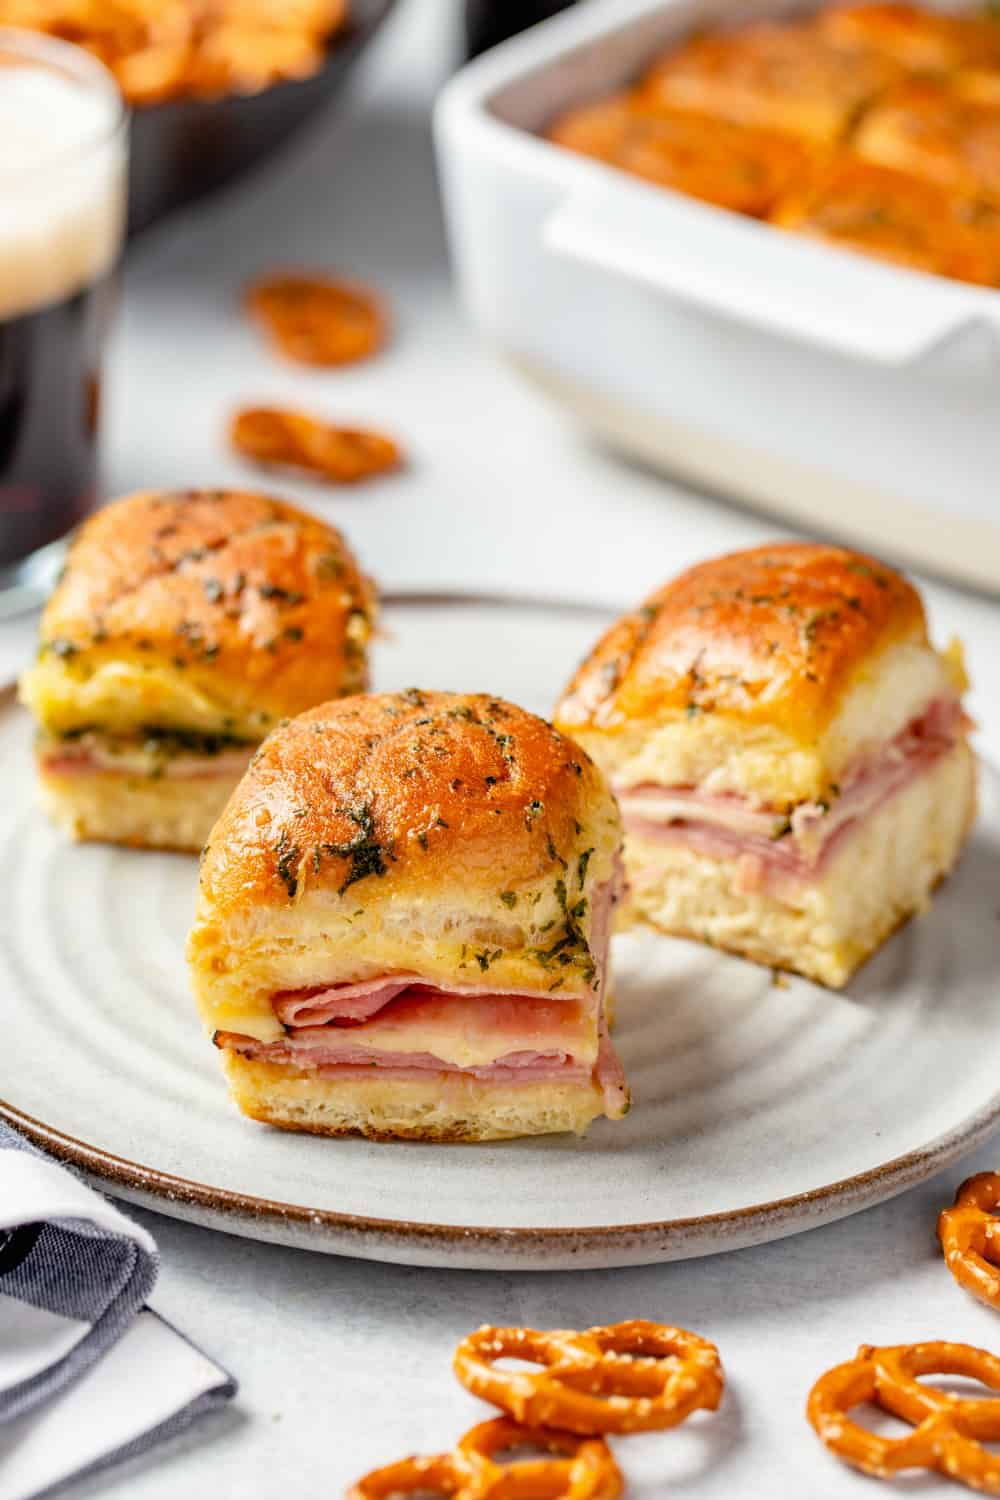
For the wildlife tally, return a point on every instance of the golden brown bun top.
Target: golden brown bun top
(238, 596)
(855, 203)
(736, 166)
(925, 40)
(782, 75)
(771, 635)
(420, 793)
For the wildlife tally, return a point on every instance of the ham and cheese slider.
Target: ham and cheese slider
(858, 205)
(789, 752)
(402, 924)
(734, 166)
(923, 41)
(777, 76)
(184, 627)
(940, 133)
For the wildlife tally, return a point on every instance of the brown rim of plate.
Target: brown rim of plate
(889, 1178)
(152, 1185)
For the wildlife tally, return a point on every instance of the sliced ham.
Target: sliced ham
(92, 758)
(765, 841)
(496, 1036)
(347, 1004)
(339, 1003)
(320, 1052)
(610, 1074)
(467, 1030)
(729, 813)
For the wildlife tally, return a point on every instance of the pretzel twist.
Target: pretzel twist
(949, 1430)
(583, 1468)
(442, 1474)
(970, 1237)
(629, 1377)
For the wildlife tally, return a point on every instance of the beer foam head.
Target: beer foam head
(62, 172)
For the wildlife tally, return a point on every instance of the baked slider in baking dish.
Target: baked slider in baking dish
(857, 205)
(733, 166)
(773, 75)
(184, 627)
(922, 41)
(936, 132)
(402, 924)
(789, 752)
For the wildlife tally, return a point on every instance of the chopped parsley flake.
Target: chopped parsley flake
(366, 855)
(289, 857)
(531, 812)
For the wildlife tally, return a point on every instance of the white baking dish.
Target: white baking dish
(836, 391)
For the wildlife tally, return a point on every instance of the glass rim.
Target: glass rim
(82, 67)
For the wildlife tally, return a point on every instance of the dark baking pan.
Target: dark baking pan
(182, 150)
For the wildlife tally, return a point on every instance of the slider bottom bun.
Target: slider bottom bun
(440, 1108)
(142, 812)
(825, 928)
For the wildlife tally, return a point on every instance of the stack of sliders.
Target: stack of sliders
(185, 626)
(403, 922)
(789, 751)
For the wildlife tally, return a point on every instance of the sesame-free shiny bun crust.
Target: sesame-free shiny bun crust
(216, 611)
(414, 791)
(452, 836)
(770, 636)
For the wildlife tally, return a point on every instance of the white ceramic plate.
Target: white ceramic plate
(760, 1108)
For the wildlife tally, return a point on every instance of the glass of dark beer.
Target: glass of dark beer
(63, 152)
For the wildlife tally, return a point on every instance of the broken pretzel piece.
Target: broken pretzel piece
(317, 319)
(278, 438)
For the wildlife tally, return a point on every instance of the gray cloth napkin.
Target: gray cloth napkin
(75, 1275)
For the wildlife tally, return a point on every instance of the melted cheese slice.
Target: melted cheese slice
(469, 1031)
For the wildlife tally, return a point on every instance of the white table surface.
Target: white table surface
(345, 1364)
